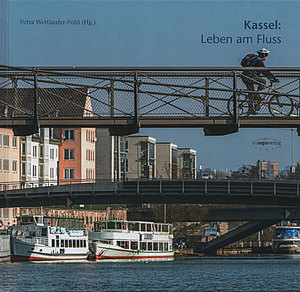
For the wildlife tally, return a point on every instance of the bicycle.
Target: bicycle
(278, 105)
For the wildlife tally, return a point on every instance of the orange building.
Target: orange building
(268, 169)
(77, 152)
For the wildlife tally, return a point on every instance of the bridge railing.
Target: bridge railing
(140, 94)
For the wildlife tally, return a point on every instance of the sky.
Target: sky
(161, 33)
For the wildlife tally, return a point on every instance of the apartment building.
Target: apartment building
(39, 158)
(187, 163)
(111, 156)
(9, 171)
(141, 157)
(167, 160)
(268, 169)
(77, 154)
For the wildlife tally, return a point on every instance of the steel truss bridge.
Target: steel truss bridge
(125, 99)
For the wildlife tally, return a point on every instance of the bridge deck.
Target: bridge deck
(273, 193)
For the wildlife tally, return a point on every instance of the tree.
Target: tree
(245, 172)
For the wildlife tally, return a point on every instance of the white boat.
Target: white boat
(41, 238)
(286, 238)
(131, 240)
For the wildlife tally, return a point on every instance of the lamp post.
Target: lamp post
(293, 167)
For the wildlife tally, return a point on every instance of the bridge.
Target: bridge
(125, 99)
(202, 191)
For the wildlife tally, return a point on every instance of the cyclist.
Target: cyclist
(251, 78)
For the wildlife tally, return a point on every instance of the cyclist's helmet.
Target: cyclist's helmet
(263, 53)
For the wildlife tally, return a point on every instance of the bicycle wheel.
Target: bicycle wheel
(280, 106)
(243, 108)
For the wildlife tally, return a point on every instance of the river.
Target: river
(264, 273)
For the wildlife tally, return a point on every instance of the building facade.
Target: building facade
(39, 159)
(167, 161)
(9, 171)
(187, 163)
(141, 157)
(111, 156)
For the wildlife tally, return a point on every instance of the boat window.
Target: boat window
(155, 246)
(103, 225)
(149, 245)
(62, 243)
(161, 246)
(70, 243)
(57, 242)
(74, 243)
(143, 227)
(44, 231)
(165, 246)
(130, 226)
(149, 227)
(53, 242)
(143, 245)
(119, 225)
(66, 243)
(121, 244)
(111, 225)
(134, 245)
(78, 245)
(84, 243)
(165, 228)
(81, 243)
(158, 227)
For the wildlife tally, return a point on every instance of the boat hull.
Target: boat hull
(4, 248)
(23, 251)
(103, 253)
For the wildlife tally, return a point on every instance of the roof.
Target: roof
(60, 102)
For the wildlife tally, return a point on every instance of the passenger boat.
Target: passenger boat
(113, 239)
(286, 238)
(41, 238)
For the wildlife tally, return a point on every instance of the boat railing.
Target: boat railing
(36, 240)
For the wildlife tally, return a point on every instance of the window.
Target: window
(41, 151)
(0, 140)
(41, 172)
(69, 135)
(52, 153)
(5, 212)
(51, 172)
(69, 154)
(0, 164)
(23, 148)
(14, 142)
(69, 173)
(34, 170)
(23, 168)
(134, 245)
(5, 165)
(14, 165)
(5, 140)
(34, 151)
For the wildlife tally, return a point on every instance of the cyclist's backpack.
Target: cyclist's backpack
(249, 60)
